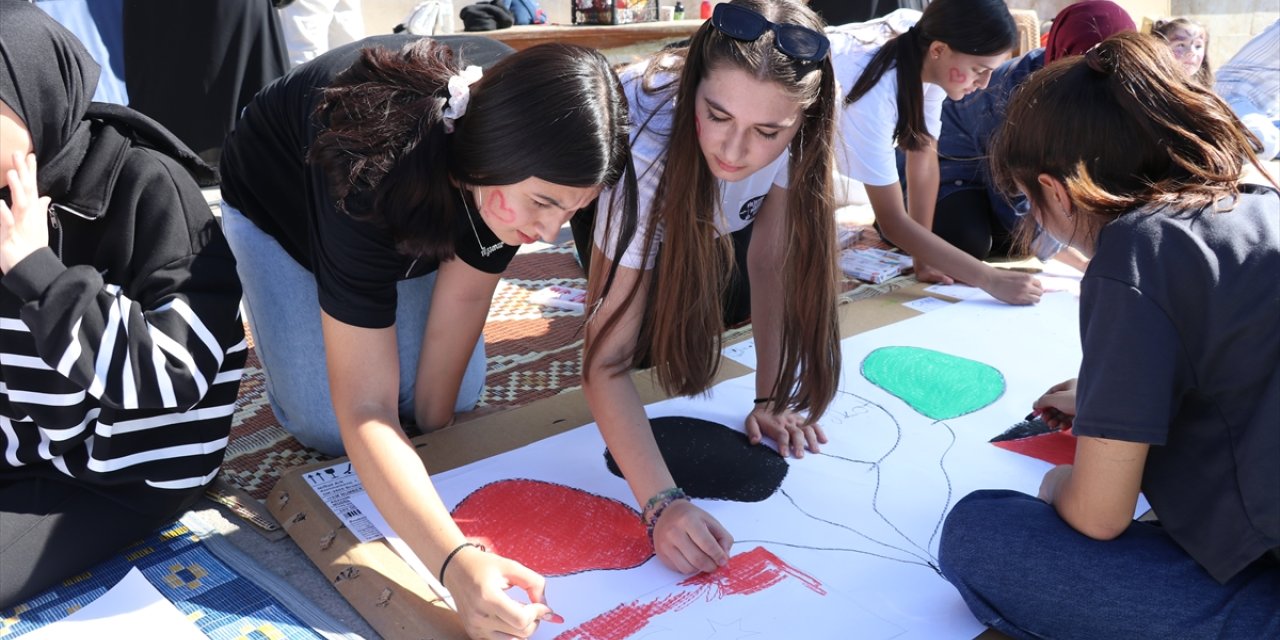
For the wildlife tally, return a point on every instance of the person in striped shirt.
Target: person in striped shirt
(121, 343)
(1250, 83)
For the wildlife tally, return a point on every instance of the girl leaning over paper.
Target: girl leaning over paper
(374, 195)
(732, 146)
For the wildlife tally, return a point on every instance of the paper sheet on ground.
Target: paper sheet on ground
(131, 609)
(743, 352)
(1056, 276)
(872, 528)
(926, 304)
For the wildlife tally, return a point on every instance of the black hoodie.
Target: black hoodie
(121, 344)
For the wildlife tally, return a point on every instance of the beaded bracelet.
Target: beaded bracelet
(657, 504)
(445, 565)
(666, 495)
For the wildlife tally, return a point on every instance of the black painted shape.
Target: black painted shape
(712, 461)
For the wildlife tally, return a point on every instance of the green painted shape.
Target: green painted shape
(936, 384)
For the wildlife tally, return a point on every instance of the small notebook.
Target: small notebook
(874, 265)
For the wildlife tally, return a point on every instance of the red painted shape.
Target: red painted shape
(751, 572)
(553, 529)
(1055, 447)
(746, 574)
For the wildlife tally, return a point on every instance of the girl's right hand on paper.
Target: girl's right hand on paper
(478, 581)
(687, 539)
(1013, 287)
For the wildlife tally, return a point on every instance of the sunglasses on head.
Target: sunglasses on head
(740, 23)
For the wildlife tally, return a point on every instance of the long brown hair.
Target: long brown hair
(975, 27)
(683, 321)
(1154, 135)
(555, 111)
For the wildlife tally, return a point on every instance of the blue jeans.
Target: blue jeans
(1025, 572)
(284, 317)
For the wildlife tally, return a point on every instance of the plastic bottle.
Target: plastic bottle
(679, 12)
(705, 11)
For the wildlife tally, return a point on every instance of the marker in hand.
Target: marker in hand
(1055, 419)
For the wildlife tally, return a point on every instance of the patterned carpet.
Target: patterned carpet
(533, 353)
(222, 603)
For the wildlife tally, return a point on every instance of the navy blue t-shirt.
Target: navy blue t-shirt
(265, 175)
(1180, 328)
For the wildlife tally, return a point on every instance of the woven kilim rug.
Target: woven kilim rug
(222, 602)
(533, 353)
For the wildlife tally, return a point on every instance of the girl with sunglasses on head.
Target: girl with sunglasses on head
(1179, 385)
(732, 147)
(895, 95)
(374, 196)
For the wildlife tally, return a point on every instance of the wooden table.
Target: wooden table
(596, 36)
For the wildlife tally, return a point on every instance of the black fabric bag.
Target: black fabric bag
(486, 16)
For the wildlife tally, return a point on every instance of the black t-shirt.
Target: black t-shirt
(1180, 327)
(265, 175)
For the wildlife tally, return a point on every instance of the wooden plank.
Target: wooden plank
(595, 36)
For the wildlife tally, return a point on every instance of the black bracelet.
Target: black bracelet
(445, 565)
(762, 400)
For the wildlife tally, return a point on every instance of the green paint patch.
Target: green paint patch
(938, 385)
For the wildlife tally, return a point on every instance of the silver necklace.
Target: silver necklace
(484, 251)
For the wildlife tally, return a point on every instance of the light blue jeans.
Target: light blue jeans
(284, 316)
(1024, 571)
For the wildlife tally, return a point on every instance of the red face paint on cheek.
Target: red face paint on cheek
(956, 76)
(501, 210)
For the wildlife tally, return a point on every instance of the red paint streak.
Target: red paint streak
(751, 572)
(1056, 447)
(553, 529)
(746, 574)
(956, 75)
(628, 619)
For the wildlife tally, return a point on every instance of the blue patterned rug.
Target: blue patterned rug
(196, 574)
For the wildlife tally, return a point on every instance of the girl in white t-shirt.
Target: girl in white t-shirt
(895, 96)
(734, 131)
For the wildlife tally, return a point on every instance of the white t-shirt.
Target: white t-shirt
(739, 201)
(866, 126)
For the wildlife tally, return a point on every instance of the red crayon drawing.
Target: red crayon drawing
(1055, 447)
(553, 529)
(746, 574)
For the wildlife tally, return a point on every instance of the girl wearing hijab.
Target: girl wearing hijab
(971, 214)
(121, 343)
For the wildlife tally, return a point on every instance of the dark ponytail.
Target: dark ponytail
(906, 52)
(555, 112)
(974, 27)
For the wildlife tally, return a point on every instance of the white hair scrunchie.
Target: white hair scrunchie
(460, 95)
